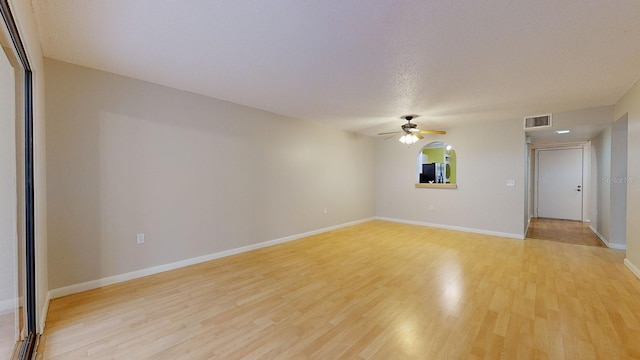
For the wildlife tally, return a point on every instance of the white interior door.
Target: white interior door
(560, 185)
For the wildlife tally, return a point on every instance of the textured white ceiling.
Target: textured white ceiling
(361, 64)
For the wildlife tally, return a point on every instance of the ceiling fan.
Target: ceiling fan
(410, 132)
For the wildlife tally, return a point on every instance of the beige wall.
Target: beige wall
(527, 187)
(8, 216)
(629, 105)
(618, 182)
(488, 154)
(600, 193)
(195, 174)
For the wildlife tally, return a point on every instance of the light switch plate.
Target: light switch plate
(511, 183)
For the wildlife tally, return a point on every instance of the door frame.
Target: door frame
(31, 331)
(586, 170)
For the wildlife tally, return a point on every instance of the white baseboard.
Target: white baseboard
(606, 242)
(450, 227)
(12, 304)
(9, 305)
(634, 269)
(94, 284)
(44, 311)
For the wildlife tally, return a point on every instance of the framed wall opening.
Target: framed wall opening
(436, 166)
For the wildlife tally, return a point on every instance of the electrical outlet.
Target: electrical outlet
(325, 211)
(140, 238)
(431, 207)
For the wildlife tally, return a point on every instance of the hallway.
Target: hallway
(565, 231)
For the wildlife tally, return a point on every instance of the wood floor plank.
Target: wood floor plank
(377, 290)
(8, 331)
(566, 231)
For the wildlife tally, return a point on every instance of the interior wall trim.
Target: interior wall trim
(31, 338)
(9, 304)
(606, 242)
(634, 269)
(94, 284)
(10, 22)
(43, 312)
(457, 228)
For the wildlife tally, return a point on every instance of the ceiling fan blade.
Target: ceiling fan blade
(389, 133)
(389, 137)
(418, 136)
(432, 132)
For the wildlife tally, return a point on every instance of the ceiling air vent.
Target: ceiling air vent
(537, 122)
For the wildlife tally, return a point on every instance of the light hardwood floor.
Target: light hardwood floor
(7, 334)
(567, 231)
(377, 290)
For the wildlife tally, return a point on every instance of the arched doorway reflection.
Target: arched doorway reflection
(437, 164)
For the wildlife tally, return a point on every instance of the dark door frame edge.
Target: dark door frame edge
(28, 346)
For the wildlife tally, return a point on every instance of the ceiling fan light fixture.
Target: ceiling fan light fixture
(408, 139)
(410, 131)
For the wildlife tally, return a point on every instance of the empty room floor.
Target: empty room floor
(377, 290)
(567, 231)
(7, 334)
